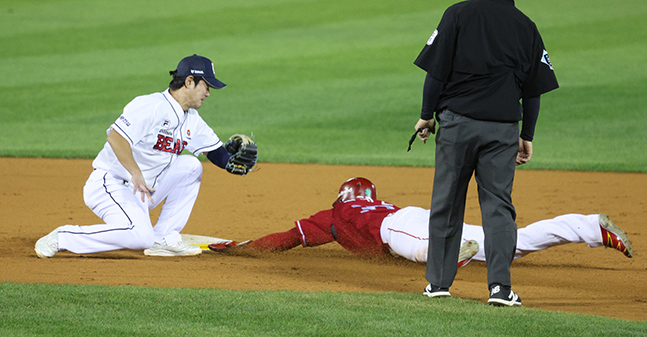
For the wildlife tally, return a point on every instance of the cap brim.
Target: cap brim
(214, 82)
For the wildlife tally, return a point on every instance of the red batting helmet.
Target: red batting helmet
(356, 188)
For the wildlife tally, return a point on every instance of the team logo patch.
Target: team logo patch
(546, 60)
(188, 133)
(432, 38)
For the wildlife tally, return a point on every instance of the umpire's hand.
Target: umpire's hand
(428, 127)
(525, 152)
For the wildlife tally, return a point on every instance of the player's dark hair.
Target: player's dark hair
(178, 82)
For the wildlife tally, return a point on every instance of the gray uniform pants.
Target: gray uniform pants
(488, 149)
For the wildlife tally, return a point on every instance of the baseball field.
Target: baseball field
(329, 90)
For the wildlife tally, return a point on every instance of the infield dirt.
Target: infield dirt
(38, 195)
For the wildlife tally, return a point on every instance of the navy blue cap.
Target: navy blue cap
(199, 66)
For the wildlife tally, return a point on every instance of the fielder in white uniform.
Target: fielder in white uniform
(140, 166)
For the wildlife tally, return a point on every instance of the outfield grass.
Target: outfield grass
(316, 81)
(47, 310)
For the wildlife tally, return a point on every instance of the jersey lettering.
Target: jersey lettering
(178, 147)
(166, 144)
(165, 132)
(160, 141)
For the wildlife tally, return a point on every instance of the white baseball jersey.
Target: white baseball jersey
(158, 130)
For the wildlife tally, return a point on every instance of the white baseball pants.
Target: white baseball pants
(406, 232)
(127, 219)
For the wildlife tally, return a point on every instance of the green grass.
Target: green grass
(67, 310)
(316, 81)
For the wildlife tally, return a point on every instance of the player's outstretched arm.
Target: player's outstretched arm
(277, 242)
(271, 243)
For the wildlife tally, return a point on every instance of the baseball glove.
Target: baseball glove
(243, 154)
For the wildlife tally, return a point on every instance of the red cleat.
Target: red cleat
(614, 237)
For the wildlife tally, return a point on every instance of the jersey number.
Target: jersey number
(373, 207)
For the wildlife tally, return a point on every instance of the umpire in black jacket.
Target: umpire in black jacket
(484, 57)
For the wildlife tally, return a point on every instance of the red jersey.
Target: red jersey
(355, 224)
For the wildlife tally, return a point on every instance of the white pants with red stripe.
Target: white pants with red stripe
(407, 233)
(127, 219)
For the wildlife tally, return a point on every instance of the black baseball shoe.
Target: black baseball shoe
(433, 291)
(503, 296)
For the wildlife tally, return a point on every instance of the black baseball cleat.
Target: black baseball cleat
(433, 291)
(503, 296)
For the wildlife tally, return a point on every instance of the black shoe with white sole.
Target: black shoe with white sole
(503, 296)
(433, 291)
